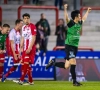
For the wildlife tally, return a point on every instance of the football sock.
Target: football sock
(24, 71)
(1, 71)
(11, 70)
(30, 74)
(73, 73)
(59, 64)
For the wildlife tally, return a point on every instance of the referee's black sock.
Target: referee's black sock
(73, 73)
(59, 64)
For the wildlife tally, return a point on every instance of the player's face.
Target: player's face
(6, 30)
(42, 16)
(79, 17)
(26, 20)
(0, 28)
(20, 25)
(61, 22)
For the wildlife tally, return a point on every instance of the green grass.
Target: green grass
(50, 85)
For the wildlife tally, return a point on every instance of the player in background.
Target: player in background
(28, 45)
(71, 42)
(3, 34)
(7, 40)
(14, 42)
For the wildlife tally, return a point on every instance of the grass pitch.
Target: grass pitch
(50, 85)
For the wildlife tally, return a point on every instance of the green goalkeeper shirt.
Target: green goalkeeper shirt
(73, 33)
(2, 41)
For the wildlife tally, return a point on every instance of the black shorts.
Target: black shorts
(71, 51)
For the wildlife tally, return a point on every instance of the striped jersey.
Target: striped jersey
(27, 32)
(16, 37)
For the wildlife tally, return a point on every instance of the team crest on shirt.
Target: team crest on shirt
(17, 40)
(27, 35)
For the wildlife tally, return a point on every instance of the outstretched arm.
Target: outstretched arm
(65, 13)
(86, 14)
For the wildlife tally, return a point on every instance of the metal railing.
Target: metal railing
(39, 7)
(79, 48)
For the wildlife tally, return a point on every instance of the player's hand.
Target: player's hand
(28, 51)
(37, 46)
(42, 36)
(89, 9)
(58, 33)
(4, 51)
(20, 61)
(19, 56)
(1, 51)
(21, 50)
(65, 6)
(16, 56)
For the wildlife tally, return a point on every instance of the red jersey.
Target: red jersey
(27, 32)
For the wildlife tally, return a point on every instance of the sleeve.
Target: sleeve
(70, 23)
(33, 30)
(11, 35)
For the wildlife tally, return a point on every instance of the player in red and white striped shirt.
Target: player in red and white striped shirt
(29, 48)
(14, 41)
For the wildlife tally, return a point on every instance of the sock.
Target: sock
(59, 64)
(1, 71)
(73, 73)
(30, 74)
(11, 70)
(24, 71)
(22, 68)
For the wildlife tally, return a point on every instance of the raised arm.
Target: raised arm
(86, 14)
(65, 13)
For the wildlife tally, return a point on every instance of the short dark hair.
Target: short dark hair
(75, 14)
(17, 21)
(26, 15)
(42, 14)
(0, 24)
(6, 25)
